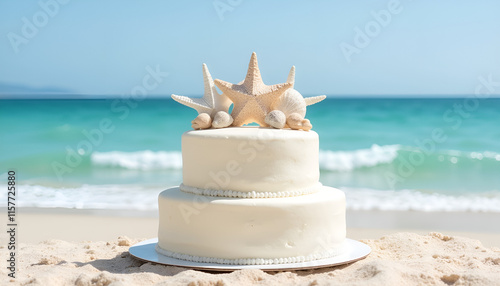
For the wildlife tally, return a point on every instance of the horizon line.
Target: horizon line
(71, 96)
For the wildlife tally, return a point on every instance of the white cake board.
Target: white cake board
(354, 251)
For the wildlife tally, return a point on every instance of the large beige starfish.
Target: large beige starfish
(252, 99)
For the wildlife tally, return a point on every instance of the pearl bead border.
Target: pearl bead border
(254, 261)
(249, 195)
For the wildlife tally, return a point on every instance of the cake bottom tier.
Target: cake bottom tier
(251, 231)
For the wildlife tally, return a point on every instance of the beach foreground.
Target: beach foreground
(82, 249)
(396, 259)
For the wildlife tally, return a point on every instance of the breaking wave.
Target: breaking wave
(140, 198)
(337, 161)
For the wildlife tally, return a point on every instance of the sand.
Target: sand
(79, 248)
(36, 225)
(397, 259)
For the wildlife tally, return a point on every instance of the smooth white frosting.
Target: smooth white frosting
(300, 227)
(246, 159)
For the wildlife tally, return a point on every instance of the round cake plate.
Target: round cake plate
(145, 250)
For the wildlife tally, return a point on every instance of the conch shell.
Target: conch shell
(295, 121)
(202, 121)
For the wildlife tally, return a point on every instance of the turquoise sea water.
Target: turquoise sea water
(388, 154)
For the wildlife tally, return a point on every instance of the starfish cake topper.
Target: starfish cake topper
(252, 98)
(278, 106)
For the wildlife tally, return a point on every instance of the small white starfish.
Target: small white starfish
(211, 102)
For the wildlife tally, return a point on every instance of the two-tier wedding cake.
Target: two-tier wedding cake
(251, 194)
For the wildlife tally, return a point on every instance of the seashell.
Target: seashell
(202, 121)
(222, 119)
(306, 125)
(276, 119)
(294, 121)
(291, 102)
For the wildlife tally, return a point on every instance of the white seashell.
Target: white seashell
(202, 121)
(295, 121)
(222, 119)
(276, 119)
(291, 102)
(306, 125)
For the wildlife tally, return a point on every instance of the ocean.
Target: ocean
(420, 154)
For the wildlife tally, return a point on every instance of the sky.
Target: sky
(339, 48)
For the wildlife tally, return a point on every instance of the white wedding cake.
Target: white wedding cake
(251, 195)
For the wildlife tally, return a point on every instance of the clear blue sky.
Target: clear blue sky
(103, 47)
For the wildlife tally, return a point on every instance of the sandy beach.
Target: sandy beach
(90, 247)
(37, 225)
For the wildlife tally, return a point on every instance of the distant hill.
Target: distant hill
(12, 90)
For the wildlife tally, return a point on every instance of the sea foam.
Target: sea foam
(349, 160)
(140, 160)
(141, 198)
(336, 161)
(328, 160)
(413, 200)
(106, 197)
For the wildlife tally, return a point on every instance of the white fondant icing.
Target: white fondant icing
(254, 195)
(300, 227)
(246, 159)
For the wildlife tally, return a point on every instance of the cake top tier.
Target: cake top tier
(278, 106)
(250, 162)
